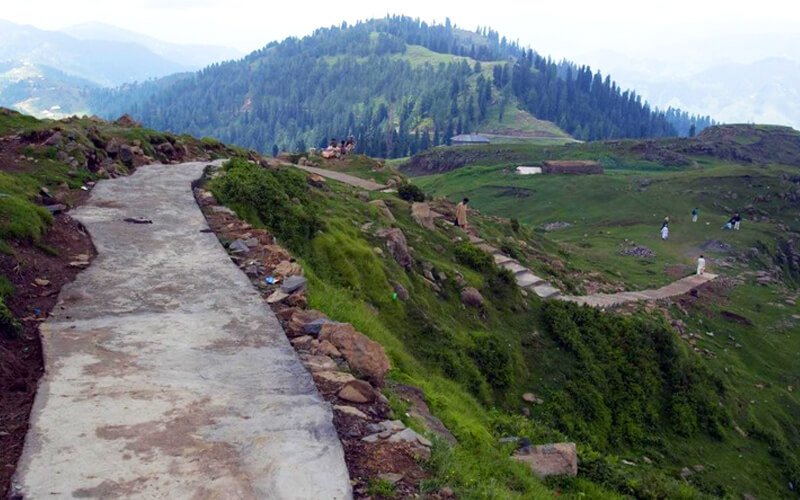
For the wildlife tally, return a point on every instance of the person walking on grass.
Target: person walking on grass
(701, 266)
(664, 231)
(695, 213)
(461, 214)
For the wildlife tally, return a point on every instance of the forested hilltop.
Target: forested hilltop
(399, 86)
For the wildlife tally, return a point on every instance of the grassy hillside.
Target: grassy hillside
(745, 328)
(622, 387)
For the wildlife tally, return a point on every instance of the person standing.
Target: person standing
(665, 223)
(461, 214)
(737, 219)
(664, 232)
(695, 213)
(701, 266)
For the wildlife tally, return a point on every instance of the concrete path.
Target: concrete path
(166, 375)
(345, 178)
(680, 287)
(527, 280)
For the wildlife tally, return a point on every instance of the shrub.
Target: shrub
(473, 257)
(277, 197)
(515, 225)
(410, 192)
(494, 360)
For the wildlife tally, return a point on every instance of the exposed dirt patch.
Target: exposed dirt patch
(21, 355)
(735, 318)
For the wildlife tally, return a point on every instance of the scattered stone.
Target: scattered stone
(81, 264)
(628, 462)
(238, 246)
(698, 468)
(357, 391)
(550, 459)
(391, 477)
(364, 355)
(409, 436)
(349, 410)
(56, 209)
(222, 210)
(252, 242)
(318, 363)
(421, 213)
(397, 245)
(401, 291)
(532, 398)
(316, 180)
(296, 323)
(41, 281)
(327, 349)
(638, 251)
(137, 220)
(471, 297)
(647, 460)
(293, 283)
(302, 342)
(686, 472)
(363, 196)
(288, 268)
(335, 377)
(555, 226)
(277, 297)
(383, 209)
(447, 492)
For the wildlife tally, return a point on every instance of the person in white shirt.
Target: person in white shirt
(664, 232)
(701, 266)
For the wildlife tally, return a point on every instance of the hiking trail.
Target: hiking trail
(527, 280)
(166, 375)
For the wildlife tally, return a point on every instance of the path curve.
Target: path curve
(345, 178)
(166, 376)
(526, 279)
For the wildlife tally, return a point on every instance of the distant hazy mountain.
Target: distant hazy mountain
(735, 79)
(42, 91)
(106, 63)
(192, 56)
(48, 73)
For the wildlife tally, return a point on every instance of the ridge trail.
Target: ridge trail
(166, 375)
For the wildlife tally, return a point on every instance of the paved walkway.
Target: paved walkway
(345, 178)
(527, 280)
(166, 375)
(680, 287)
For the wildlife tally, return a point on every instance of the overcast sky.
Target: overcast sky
(560, 29)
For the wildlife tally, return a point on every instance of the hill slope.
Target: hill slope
(397, 84)
(743, 329)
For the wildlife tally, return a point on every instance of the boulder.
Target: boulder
(349, 410)
(383, 209)
(238, 246)
(401, 291)
(288, 268)
(365, 356)
(316, 180)
(277, 296)
(296, 323)
(293, 283)
(357, 391)
(409, 436)
(550, 459)
(126, 121)
(397, 245)
(327, 349)
(471, 297)
(318, 363)
(334, 377)
(421, 213)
